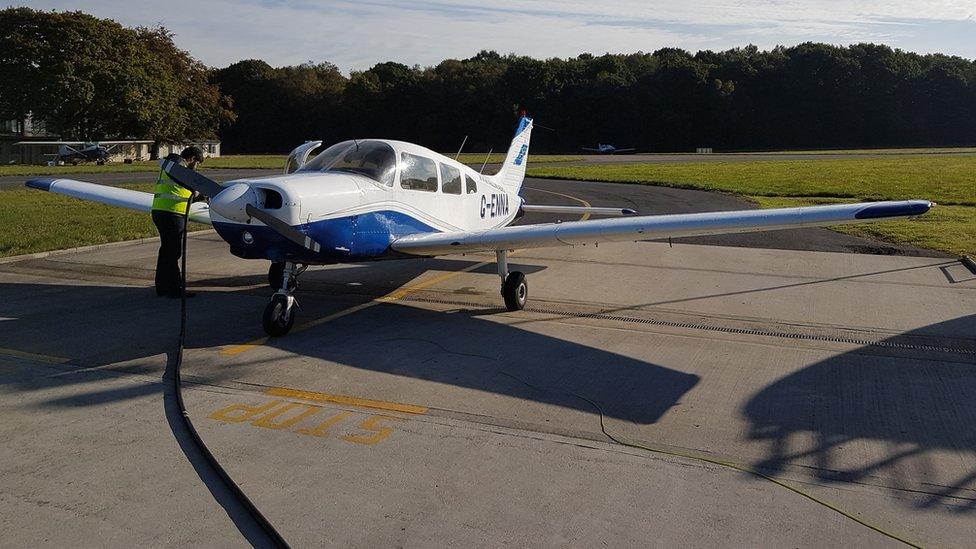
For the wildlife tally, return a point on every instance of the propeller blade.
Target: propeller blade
(283, 228)
(191, 179)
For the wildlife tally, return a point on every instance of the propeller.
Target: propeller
(283, 228)
(228, 202)
(191, 179)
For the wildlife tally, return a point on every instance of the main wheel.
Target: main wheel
(276, 274)
(277, 320)
(515, 291)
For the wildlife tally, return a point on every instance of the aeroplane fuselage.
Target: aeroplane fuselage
(356, 216)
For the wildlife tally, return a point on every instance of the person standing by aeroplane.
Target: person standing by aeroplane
(169, 208)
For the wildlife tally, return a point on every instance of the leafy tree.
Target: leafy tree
(90, 78)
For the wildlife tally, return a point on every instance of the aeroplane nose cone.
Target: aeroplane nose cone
(230, 202)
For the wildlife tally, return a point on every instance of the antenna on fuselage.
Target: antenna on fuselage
(487, 156)
(461, 148)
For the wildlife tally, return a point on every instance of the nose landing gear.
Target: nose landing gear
(514, 288)
(279, 314)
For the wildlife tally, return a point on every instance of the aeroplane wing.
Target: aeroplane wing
(113, 196)
(129, 142)
(589, 149)
(623, 150)
(651, 227)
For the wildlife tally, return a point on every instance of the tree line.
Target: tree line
(92, 77)
(806, 96)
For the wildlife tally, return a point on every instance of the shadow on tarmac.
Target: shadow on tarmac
(99, 325)
(916, 407)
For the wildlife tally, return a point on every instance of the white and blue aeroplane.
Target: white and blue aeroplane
(377, 199)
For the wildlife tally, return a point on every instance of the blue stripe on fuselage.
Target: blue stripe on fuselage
(355, 238)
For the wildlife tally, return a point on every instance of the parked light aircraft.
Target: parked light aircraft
(376, 199)
(607, 149)
(81, 151)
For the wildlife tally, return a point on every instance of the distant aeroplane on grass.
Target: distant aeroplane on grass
(607, 149)
(73, 152)
(378, 199)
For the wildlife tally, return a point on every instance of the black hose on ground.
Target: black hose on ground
(273, 537)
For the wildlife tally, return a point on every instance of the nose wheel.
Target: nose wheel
(279, 314)
(515, 290)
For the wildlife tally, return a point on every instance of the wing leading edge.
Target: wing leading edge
(113, 196)
(654, 226)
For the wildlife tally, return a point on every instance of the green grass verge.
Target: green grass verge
(33, 221)
(949, 180)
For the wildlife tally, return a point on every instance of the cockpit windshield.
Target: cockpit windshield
(374, 159)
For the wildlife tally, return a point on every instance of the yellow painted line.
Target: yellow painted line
(584, 217)
(34, 356)
(348, 400)
(399, 293)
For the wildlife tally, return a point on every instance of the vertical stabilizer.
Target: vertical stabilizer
(513, 170)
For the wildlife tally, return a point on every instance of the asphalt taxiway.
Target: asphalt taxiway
(408, 408)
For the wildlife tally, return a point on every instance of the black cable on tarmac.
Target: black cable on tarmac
(273, 537)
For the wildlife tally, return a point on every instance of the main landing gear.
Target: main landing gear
(514, 288)
(279, 315)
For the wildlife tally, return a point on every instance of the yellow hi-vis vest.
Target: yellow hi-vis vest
(169, 196)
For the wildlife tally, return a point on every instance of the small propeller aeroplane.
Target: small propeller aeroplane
(73, 152)
(375, 199)
(604, 148)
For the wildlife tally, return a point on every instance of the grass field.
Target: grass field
(949, 180)
(237, 161)
(33, 221)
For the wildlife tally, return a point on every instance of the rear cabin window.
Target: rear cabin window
(418, 173)
(450, 179)
(470, 187)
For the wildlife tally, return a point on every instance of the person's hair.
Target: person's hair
(192, 153)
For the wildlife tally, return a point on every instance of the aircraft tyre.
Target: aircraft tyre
(276, 274)
(277, 320)
(515, 291)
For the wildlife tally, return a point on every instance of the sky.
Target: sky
(355, 35)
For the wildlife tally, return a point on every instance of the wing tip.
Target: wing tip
(40, 183)
(894, 209)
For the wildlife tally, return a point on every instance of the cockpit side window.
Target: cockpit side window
(450, 179)
(374, 159)
(470, 187)
(418, 173)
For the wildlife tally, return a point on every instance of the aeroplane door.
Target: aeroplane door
(298, 157)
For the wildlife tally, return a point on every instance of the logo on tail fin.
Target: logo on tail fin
(521, 155)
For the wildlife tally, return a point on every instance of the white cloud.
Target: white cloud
(357, 34)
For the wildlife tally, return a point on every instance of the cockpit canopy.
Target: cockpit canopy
(373, 159)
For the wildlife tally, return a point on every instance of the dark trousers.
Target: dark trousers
(170, 226)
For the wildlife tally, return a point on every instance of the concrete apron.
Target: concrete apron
(850, 376)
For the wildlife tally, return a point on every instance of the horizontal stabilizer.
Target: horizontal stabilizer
(578, 210)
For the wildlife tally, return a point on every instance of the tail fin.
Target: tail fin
(513, 170)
